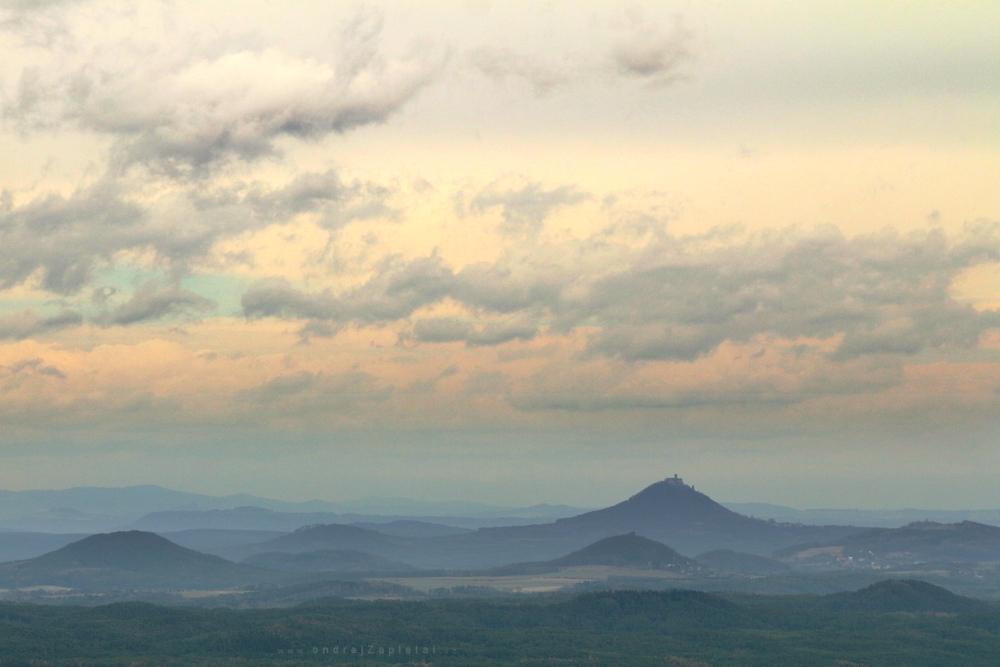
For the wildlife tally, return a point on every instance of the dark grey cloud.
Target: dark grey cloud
(179, 109)
(525, 209)
(154, 302)
(338, 201)
(64, 239)
(394, 293)
(883, 293)
(66, 236)
(27, 324)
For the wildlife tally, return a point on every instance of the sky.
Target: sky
(512, 252)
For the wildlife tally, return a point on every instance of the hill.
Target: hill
(906, 595)
(629, 550)
(626, 551)
(326, 560)
(132, 559)
(923, 541)
(673, 512)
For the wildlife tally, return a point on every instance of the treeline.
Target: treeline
(902, 623)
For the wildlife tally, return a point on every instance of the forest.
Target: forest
(892, 623)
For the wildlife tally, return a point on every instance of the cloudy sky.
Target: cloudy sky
(515, 252)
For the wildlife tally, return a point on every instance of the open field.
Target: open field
(534, 583)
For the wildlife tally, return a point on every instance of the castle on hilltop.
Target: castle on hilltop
(675, 481)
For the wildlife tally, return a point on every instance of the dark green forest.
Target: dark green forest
(894, 623)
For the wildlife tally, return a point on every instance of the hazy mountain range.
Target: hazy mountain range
(87, 510)
(662, 527)
(150, 507)
(669, 512)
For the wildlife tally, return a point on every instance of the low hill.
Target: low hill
(627, 551)
(923, 541)
(132, 559)
(326, 560)
(907, 595)
(725, 560)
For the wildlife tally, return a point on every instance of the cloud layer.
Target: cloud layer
(882, 293)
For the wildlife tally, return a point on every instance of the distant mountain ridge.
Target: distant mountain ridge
(260, 518)
(83, 509)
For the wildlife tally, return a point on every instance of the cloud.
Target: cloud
(308, 394)
(679, 298)
(281, 387)
(502, 63)
(151, 302)
(525, 209)
(338, 201)
(25, 372)
(33, 5)
(395, 293)
(449, 330)
(734, 375)
(66, 236)
(27, 324)
(595, 402)
(648, 52)
(643, 50)
(61, 240)
(179, 109)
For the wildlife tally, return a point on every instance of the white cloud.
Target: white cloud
(180, 108)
